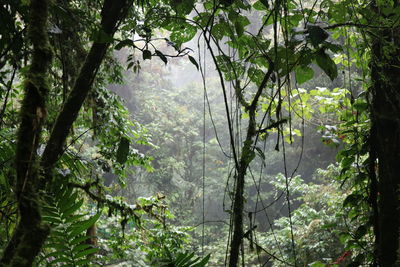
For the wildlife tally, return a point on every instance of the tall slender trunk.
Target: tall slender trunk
(385, 118)
(238, 201)
(241, 168)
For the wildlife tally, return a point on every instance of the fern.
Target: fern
(66, 244)
(185, 259)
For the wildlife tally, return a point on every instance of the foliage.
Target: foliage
(318, 221)
(282, 68)
(66, 244)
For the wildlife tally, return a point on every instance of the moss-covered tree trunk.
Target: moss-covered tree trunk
(385, 118)
(238, 202)
(246, 157)
(113, 12)
(31, 232)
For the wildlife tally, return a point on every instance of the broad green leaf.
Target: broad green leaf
(184, 258)
(303, 74)
(182, 7)
(123, 150)
(146, 54)
(360, 106)
(351, 200)
(326, 64)
(82, 262)
(239, 28)
(316, 35)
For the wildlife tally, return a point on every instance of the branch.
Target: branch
(9, 87)
(124, 208)
(272, 125)
(112, 13)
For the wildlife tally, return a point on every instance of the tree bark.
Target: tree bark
(112, 13)
(246, 157)
(30, 233)
(385, 119)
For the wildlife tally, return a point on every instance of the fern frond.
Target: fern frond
(66, 244)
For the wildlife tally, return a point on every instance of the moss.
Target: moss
(30, 235)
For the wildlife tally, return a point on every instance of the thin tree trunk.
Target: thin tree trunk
(238, 203)
(245, 158)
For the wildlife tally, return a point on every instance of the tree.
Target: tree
(385, 130)
(34, 174)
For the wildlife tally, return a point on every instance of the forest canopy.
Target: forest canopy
(199, 133)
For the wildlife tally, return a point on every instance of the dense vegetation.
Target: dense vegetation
(194, 133)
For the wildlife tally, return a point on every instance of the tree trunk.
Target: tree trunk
(385, 118)
(112, 13)
(31, 233)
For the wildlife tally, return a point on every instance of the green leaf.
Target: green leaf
(303, 74)
(72, 209)
(83, 262)
(162, 56)
(316, 35)
(239, 28)
(326, 64)
(261, 5)
(123, 150)
(51, 219)
(351, 200)
(183, 258)
(126, 42)
(182, 7)
(183, 33)
(360, 106)
(79, 239)
(146, 54)
(80, 248)
(346, 162)
(317, 264)
(83, 226)
(329, 225)
(260, 152)
(203, 262)
(194, 62)
(227, 3)
(86, 252)
(361, 231)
